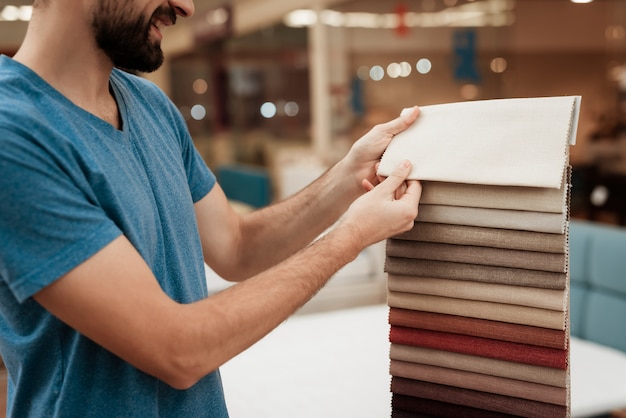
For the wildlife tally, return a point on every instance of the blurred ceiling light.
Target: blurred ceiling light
(423, 66)
(200, 86)
(469, 92)
(478, 13)
(614, 33)
(198, 112)
(291, 109)
(394, 70)
(498, 65)
(268, 110)
(363, 72)
(12, 13)
(581, 1)
(377, 73)
(405, 69)
(301, 17)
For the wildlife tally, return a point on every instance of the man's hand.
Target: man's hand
(366, 152)
(385, 210)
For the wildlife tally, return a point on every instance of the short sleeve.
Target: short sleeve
(48, 224)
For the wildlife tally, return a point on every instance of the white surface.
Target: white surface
(598, 376)
(335, 364)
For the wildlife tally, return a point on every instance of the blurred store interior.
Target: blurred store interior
(282, 88)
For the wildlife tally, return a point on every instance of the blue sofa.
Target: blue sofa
(597, 319)
(598, 283)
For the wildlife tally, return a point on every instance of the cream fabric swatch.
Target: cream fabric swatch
(513, 314)
(553, 223)
(506, 142)
(535, 297)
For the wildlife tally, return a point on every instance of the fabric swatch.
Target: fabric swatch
(480, 382)
(508, 142)
(476, 399)
(493, 367)
(409, 407)
(487, 237)
(493, 311)
(477, 346)
(553, 223)
(534, 297)
(492, 330)
(531, 199)
(482, 255)
(476, 272)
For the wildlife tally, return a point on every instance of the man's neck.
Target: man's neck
(69, 60)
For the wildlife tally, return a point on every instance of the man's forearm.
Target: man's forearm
(274, 233)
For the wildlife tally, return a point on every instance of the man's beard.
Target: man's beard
(126, 39)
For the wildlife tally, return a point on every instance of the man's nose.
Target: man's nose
(183, 8)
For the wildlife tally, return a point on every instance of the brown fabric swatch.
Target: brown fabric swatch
(478, 346)
(465, 271)
(533, 199)
(514, 314)
(476, 364)
(482, 255)
(556, 300)
(488, 237)
(493, 330)
(476, 399)
(409, 407)
(480, 382)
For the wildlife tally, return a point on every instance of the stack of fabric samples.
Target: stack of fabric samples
(478, 290)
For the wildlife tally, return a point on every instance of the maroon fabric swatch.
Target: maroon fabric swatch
(476, 399)
(478, 346)
(417, 407)
(503, 331)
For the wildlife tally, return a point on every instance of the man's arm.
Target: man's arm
(114, 299)
(238, 247)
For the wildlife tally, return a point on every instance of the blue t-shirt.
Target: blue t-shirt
(70, 183)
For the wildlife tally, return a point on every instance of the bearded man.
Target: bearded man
(108, 213)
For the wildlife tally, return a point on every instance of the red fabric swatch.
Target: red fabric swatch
(478, 346)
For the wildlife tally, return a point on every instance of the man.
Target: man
(107, 212)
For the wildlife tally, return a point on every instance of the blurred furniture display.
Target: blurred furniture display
(598, 310)
(245, 184)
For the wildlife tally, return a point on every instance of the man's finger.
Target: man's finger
(399, 124)
(397, 177)
(413, 192)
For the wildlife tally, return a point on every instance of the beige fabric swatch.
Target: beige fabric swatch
(507, 142)
(553, 223)
(503, 257)
(481, 382)
(514, 314)
(534, 199)
(477, 364)
(486, 237)
(555, 300)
